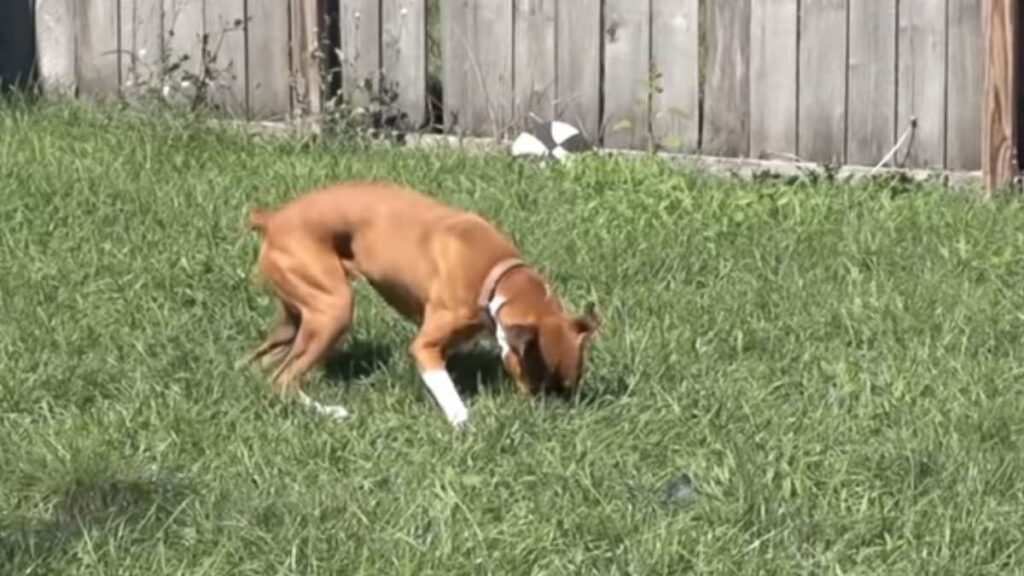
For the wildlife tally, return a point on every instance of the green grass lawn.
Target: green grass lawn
(839, 368)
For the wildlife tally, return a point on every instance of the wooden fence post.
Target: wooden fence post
(1000, 125)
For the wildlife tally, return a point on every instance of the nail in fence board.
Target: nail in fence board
(55, 45)
(268, 56)
(675, 54)
(578, 92)
(535, 61)
(871, 113)
(404, 32)
(478, 66)
(823, 81)
(727, 89)
(360, 49)
(966, 78)
(922, 80)
(627, 82)
(773, 79)
(98, 64)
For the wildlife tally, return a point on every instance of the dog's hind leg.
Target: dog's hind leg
(280, 336)
(325, 319)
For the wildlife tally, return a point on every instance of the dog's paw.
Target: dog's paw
(336, 412)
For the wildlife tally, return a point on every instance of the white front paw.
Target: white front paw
(335, 412)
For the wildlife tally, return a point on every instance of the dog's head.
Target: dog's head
(549, 356)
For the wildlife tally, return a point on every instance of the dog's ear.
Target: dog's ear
(588, 323)
(519, 337)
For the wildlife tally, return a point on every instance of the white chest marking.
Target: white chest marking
(499, 333)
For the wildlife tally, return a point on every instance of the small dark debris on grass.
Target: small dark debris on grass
(679, 490)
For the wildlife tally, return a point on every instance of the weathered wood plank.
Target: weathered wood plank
(98, 64)
(404, 31)
(578, 77)
(1000, 162)
(535, 61)
(268, 56)
(922, 80)
(871, 113)
(141, 44)
(966, 75)
(225, 28)
(454, 63)
(307, 79)
(675, 57)
(183, 22)
(478, 40)
(774, 30)
(627, 85)
(360, 49)
(727, 90)
(55, 45)
(823, 81)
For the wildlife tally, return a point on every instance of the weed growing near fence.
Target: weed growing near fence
(836, 367)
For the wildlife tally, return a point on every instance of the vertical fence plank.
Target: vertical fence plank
(225, 29)
(55, 45)
(478, 66)
(1000, 161)
(966, 65)
(627, 86)
(922, 80)
(773, 78)
(675, 57)
(535, 60)
(269, 74)
(404, 32)
(578, 93)
(360, 49)
(183, 36)
(98, 64)
(822, 112)
(727, 89)
(141, 43)
(454, 63)
(490, 87)
(871, 114)
(305, 49)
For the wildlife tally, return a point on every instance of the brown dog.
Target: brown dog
(449, 271)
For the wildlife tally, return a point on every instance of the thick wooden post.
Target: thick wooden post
(1000, 125)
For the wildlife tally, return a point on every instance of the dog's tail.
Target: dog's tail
(259, 219)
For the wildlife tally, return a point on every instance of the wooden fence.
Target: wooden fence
(258, 56)
(835, 81)
(831, 81)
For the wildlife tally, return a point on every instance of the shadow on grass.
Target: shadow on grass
(357, 359)
(474, 370)
(124, 505)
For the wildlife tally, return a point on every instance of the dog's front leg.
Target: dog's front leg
(427, 349)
